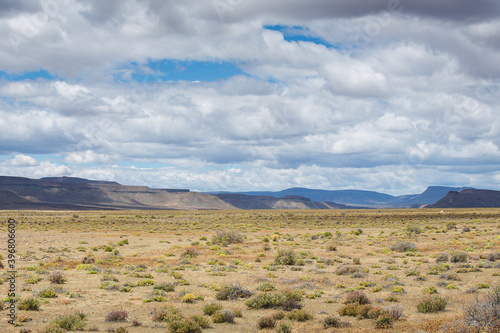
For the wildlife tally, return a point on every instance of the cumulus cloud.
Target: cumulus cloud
(384, 95)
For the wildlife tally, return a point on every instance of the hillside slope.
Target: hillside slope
(469, 198)
(77, 193)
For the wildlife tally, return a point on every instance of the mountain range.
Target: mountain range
(70, 193)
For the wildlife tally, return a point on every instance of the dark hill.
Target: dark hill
(469, 198)
(78, 193)
(429, 196)
(345, 197)
(244, 201)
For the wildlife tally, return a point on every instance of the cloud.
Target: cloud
(384, 95)
(23, 160)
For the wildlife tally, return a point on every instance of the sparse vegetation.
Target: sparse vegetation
(311, 261)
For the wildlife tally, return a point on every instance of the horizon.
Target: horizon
(239, 96)
(272, 191)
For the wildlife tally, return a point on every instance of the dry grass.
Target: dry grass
(176, 247)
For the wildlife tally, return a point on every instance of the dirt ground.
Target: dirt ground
(111, 260)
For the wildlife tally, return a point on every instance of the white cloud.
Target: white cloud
(23, 161)
(414, 103)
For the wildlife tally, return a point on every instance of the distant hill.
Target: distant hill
(78, 193)
(469, 198)
(73, 193)
(243, 201)
(429, 196)
(364, 198)
(345, 197)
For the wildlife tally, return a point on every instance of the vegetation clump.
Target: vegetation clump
(225, 237)
(285, 257)
(432, 304)
(403, 246)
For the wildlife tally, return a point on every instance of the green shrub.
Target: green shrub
(432, 304)
(70, 322)
(350, 309)
(203, 322)
(442, 257)
(412, 229)
(223, 316)
(430, 290)
(167, 314)
(57, 278)
(266, 301)
(285, 257)
(266, 322)
(29, 304)
(363, 311)
(53, 328)
(403, 246)
(188, 298)
(284, 328)
(375, 312)
(233, 292)
(47, 293)
(184, 325)
(335, 322)
(300, 315)
(165, 286)
(266, 286)
(211, 308)
(482, 285)
(383, 321)
(459, 257)
(225, 237)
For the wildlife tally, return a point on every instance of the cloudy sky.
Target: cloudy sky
(385, 95)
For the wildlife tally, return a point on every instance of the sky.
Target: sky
(239, 95)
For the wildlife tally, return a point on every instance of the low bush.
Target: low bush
(346, 270)
(480, 316)
(57, 278)
(357, 296)
(266, 286)
(70, 322)
(284, 328)
(442, 257)
(118, 316)
(223, 316)
(459, 257)
(493, 256)
(395, 311)
(403, 246)
(266, 301)
(211, 308)
(165, 286)
(266, 322)
(285, 257)
(432, 304)
(232, 292)
(203, 322)
(184, 325)
(335, 322)
(29, 304)
(375, 312)
(300, 315)
(225, 237)
(350, 309)
(383, 321)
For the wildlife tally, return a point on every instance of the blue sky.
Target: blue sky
(258, 96)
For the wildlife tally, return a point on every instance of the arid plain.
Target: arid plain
(250, 271)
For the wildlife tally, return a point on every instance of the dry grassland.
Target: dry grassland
(140, 266)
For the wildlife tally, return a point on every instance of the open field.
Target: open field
(139, 262)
